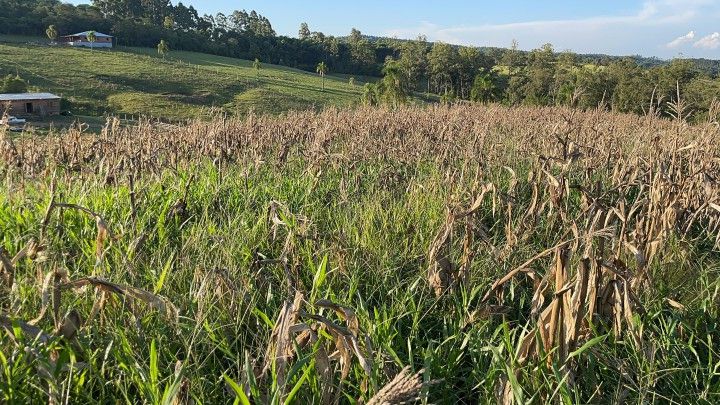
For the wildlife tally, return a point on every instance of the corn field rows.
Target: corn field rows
(456, 254)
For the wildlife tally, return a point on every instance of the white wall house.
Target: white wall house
(81, 39)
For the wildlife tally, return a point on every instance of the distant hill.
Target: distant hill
(136, 81)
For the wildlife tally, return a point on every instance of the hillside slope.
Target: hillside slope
(136, 81)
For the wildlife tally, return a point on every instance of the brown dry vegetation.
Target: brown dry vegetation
(445, 136)
(518, 254)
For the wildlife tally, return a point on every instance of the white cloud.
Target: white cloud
(711, 41)
(629, 33)
(689, 37)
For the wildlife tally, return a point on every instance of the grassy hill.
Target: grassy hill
(136, 81)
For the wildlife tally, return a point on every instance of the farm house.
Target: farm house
(81, 40)
(30, 104)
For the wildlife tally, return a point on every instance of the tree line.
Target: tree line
(240, 34)
(546, 77)
(538, 77)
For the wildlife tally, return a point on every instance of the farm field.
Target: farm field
(132, 82)
(456, 254)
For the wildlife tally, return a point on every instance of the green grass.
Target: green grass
(136, 81)
(373, 244)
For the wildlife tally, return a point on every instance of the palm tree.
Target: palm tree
(483, 88)
(321, 70)
(52, 33)
(394, 86)
(257, 66)
(369, 95)
(91, 37)
(163, 48)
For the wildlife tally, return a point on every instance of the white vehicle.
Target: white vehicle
(12, 121)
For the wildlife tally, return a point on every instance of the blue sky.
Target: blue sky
(663, 28)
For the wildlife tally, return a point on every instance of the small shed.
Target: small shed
(30, 104)
(81, 40)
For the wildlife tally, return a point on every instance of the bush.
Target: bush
(13, 84)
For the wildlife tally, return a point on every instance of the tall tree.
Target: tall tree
(512, 58)
(362, 52)
(631, 89)
(540, 72)
(394, 83)
(564, 88)
(155, 10)
(413, 60)
(120, 8)
(442, 62)
(469, 63)
(253, 23)
(186, 18)
(304, 32)
(355, 35)
(322, 69)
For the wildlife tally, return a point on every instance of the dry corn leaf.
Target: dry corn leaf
(157, 302)
(675, 304)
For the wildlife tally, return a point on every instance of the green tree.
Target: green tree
(631, 91)
(351, 81)
(413, 60)
(593, 88)
(512, 58)
(163, 48)
(483, 88)
(322, 69)
(540, 74)
(394, 84)
(515, 92)
(52, 33)
(673, 78)
(564, 88)
(304, 32)
(92, 38)
(469, 63)
(362, 51)
(355, 36)
(442, 64)
(119, 8)
(155, 10)
(370, 94)
(169, 22)
(257, 66)
(13, 84)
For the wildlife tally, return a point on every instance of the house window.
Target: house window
(29, 108)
